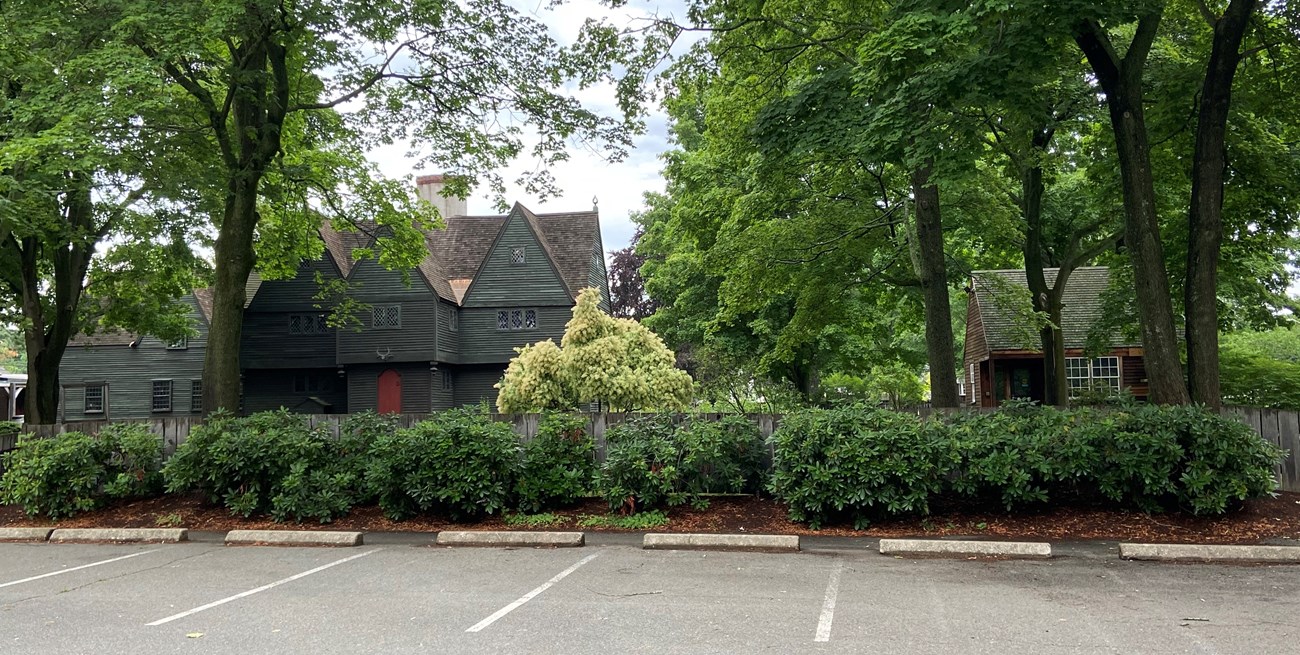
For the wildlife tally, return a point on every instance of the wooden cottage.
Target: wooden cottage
(1003, 359)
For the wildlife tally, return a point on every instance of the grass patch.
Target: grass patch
(544, 520)
(641, 521)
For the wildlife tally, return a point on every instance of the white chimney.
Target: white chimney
(429, 188)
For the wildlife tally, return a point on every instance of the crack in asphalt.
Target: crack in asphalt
(14, 604)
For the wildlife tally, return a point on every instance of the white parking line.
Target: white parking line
(530, 595)
(828, 607)
(260, 589)
(77, 568)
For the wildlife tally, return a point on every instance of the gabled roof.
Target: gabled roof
(1081, 306)
(457, 252)
(203, 297)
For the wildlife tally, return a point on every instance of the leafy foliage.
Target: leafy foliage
(559, 464)
(861, 464)
(1261, 369)
(268, 463)
(74, 472)
(616, 361)
(460, 462)
(652, 461)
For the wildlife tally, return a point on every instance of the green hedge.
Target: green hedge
(858, 464)
(73, 472)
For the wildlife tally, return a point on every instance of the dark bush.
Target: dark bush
(722, 456)
(860, 464)
(73, 472)
(268, 463)
(640, 470)
(461, 463)
(559, 464)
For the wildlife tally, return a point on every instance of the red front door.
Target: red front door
(390, 392)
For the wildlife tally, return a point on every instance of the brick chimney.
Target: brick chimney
(430, 187)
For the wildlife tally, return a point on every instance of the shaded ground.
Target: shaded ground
(1269, 518)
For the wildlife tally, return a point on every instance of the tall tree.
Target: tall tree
(627, 296)
(465, 81)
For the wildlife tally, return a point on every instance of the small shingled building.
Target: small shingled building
(1003, 359)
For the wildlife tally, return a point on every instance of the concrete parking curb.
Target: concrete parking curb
(120, 535)
(511, 539)
(1209, 553)
(293, 538)
(746, 542)
(954, 548)
(25, 534)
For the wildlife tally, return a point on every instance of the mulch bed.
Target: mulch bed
(1269, 518)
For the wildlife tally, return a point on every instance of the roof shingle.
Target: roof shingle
(1081, 306)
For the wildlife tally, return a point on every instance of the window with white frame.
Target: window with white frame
(95, 399)
(386, 317)
(196, 395)
(517, 255)
(162, 396)
(179, 344)
(1084, 374)
(308, 324)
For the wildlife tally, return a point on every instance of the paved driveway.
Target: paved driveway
(397, 597)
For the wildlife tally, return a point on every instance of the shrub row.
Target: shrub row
(848, 464)
(76, 473)
(858, 464)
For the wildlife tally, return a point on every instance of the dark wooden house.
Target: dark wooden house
(1003, 359)
(431, 338)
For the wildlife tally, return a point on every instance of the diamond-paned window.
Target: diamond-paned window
(162, 396)
(308, 324)
(386, 317)
(517, 255)
(503, 320)
(516, 319)
(95, 399)
(530, 319)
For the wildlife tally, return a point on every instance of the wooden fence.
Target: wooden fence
(1279, 427)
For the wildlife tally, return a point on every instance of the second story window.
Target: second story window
(518, 256)
(307, 324)
(386, 317)
(517, 319)
(179, 344)
(453, 320)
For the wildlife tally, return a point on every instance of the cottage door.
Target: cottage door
(390, 392)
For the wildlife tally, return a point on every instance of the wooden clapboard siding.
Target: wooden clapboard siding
(501, 283)
(448, 339)
(363, 386)
(442, 398)
(597, 275)
(482, 342)
(266, 343)
(474, 384)
(269, 389)
(415, 340)
(976, 349)
(129, 372)
(296, 294)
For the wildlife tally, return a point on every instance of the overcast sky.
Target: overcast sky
(618, 187)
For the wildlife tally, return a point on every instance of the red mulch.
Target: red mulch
(1268, 518)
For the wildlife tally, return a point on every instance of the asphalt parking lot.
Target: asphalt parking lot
(399, 597)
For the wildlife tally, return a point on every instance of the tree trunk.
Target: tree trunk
(1122, 83)
(1046, 299)
(1205, 216)
(934, 285)
(234, 255)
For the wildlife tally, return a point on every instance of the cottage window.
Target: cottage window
(516, 319)
(517, 255)
(162, 396)
(530, 319)
(308, 324)
(196, 396)
(446, 381)
(95, 399)
(1084, 374)
(503, 320)
(386, 317)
